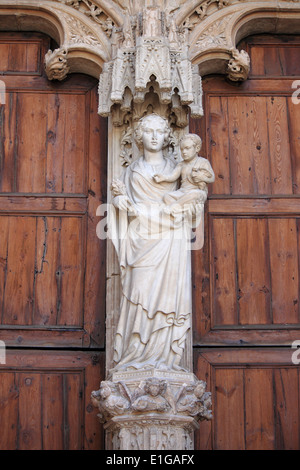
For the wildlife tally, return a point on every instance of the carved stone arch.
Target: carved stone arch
(83, 36)
(214, 37)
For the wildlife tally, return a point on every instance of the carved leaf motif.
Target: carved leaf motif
(92, 10)
(215, 35)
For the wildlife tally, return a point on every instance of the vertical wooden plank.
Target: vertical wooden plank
(8, 411)
(201, 287)
(257, 57)
(3, 260)
(72, 269)
(280, 157)
(248, 145)
(18, 297)
(32, 57)
(52, 411)
(284, 270)
(286, 407)
(218, 144)
(240, 158)
(273, 66)
(4, 56)
(32, 128)
(259, 170)
(46, 295)
(259, 409)
(9, 143)
(30, 416)
(95, 275)
(223, 277)
(56, 134)
(253, 271)
(74, 146)
(17, 57)
(294, 137)
(73, 397)
(229, 416)
(291, 56)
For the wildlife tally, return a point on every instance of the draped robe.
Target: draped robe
(155, 263)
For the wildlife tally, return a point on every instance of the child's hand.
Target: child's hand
(158, 178)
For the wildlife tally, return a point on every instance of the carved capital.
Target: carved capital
(172, 402)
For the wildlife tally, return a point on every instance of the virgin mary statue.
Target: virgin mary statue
(155, 260)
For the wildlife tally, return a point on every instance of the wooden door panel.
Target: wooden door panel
(22, 57)
(255, 396)
(45, 400)
(249, 144)
(37, 156)
(246, 279)
(53, 178)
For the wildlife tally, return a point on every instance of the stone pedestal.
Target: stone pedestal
(152, 409)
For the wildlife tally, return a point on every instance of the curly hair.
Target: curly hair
(194, 137)
(141, 126)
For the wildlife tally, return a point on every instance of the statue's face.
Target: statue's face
(154, 134)
(188, 149)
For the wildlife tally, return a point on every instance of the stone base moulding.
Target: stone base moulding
(152, 409)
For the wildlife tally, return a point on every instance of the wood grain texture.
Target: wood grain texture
(252, 211)
(45, 400)
(255, 397)
(52, 179)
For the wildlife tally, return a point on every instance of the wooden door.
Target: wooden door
(246, 279)
(52, 265)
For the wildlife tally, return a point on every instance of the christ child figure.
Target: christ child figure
(195, 173)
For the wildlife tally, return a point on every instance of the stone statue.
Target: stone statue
(152, 398)
(194, 173)
(154, 255)
(193, 400)
(111, 399)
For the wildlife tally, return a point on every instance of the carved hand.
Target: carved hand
(158, 178)
(124, 204)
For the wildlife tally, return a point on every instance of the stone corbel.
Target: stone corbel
(56, 64)
(238, 66)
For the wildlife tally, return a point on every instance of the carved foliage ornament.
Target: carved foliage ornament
(238, 66)
(92, 11)
(56, 64)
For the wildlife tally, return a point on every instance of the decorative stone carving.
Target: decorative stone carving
(238, 66)
(56, 65)
(161, 410)
(92, 10)
(152, 50)
(154, 314)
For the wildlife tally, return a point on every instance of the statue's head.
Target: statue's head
(196, 139)
(155, 387)
(151, 120)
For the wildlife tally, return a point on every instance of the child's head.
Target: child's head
(190, 145)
